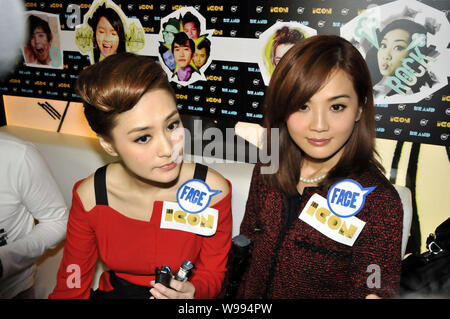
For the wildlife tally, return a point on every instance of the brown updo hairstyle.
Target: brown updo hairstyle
(302, 72)
(115, 85)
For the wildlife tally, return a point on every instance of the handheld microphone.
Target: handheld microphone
(185, 271)
(239, 254)
(163, 275)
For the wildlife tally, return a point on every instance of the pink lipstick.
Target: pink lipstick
(169, 166)
(318, 141)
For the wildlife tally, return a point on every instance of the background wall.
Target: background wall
(412, 129)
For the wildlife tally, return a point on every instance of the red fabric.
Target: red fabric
(300, 262)
(133, 248)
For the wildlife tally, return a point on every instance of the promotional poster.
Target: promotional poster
(185, 46)
(43, 47)
(107, 30)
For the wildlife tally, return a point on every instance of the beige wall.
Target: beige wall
(432, 182)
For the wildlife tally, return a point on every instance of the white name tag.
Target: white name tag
(204, 223)
(318, 215)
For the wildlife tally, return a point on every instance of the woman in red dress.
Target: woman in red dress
(119, 211)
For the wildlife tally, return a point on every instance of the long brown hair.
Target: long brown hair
(115, 85)
(302, 72)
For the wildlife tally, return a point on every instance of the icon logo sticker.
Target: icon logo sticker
(174, 217)
(317, 214)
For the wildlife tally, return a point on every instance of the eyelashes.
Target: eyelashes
(174, 125)
(303, 107)
(334, 107)
(338, 107)
(147, 137)
(143, 139)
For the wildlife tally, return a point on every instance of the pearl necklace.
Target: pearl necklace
(312, 180)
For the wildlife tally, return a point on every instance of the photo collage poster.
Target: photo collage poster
(223, 67)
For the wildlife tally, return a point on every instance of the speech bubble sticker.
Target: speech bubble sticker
(346, 198)
(195, 195)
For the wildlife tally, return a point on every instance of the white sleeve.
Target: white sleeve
(41, 196)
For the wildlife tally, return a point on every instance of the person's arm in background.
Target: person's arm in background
(40, 195)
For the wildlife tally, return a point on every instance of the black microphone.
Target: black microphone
(239, 254)
(163, 275)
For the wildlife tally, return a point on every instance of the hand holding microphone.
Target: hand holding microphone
(179, 288)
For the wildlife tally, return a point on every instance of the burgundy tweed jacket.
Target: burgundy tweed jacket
(297, 261)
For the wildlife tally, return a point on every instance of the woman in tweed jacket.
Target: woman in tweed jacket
(320, 99)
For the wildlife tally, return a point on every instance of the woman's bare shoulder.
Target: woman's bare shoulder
(86, 193)
(214, 179)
